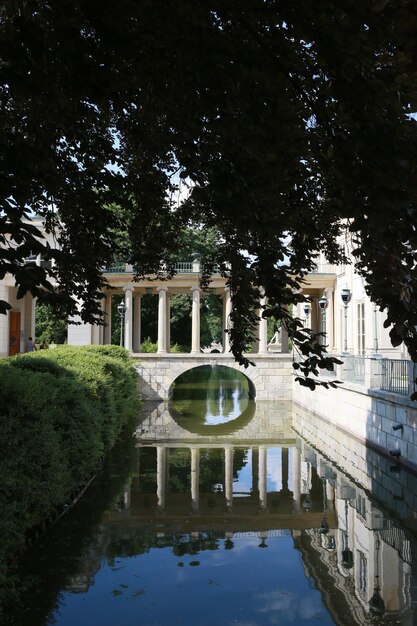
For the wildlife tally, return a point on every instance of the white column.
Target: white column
(168, 318)
(162, 322)
(137, 322)
(160, 475)
(262, 477)
(330, 321)
(195, 321)
(228, 476)
(195, 478)
(4, 324)
(263, 330)
(284, 339)
(95, 335)
(226, 321)
(33, 317)
(107, 319)
(128, 318)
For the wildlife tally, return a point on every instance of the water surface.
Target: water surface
(220, 511)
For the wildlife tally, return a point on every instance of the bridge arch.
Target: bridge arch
(250, 383)
(270, 376)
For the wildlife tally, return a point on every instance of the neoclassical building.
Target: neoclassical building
(354, 327)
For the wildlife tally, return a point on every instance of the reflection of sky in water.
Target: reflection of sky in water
(243, 484)
(245, 585)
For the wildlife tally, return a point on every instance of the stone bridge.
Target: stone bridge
(270, 378)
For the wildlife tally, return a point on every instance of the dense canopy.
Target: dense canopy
(288, 121)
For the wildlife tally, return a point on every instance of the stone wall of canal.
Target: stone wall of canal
(386, 421)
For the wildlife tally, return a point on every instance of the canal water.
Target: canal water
(219, 511)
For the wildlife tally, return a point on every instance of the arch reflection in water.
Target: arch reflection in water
(212, 399)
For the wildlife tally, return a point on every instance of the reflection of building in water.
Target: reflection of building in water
(194, 493)
(371, 559)
(354, 549)
(255, 487)
(90, 562)
(361, 561)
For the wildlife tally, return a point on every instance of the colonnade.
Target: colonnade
(259, 476)
(132, 321)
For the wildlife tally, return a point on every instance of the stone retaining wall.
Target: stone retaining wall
(370, 415)
(379, 476)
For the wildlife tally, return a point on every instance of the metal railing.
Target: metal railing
(119, 267)
(394, 375)
(184, 267)
(116, 268)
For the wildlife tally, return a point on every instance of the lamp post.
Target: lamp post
(346, 296)
(376, 603)
(122, 308)
(323, 304)
(347, 554)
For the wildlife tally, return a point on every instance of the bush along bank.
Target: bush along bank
(61, 410)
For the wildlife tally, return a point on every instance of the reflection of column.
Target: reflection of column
(107, 319)
(137, 323)
(296, 477)
(226, 320)
(284, 470)
(127, 497)
(329, 495)
(162, 322)
(195, 476)
(255, 471)
(228, 475)
(262, 477)
(128, 318)
(195, 324)
(161, 475)
(263, 330)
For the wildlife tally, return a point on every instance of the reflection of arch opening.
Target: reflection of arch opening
(212, 400)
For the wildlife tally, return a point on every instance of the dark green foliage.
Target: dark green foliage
(61, 411)
(288, 121)
(49, 328)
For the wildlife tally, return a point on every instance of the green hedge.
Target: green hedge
(61, 410)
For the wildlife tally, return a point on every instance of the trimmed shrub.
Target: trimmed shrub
(61, 410)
